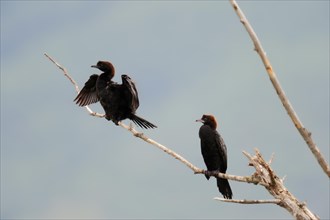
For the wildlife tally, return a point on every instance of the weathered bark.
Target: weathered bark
(307, 136)
(275, 187)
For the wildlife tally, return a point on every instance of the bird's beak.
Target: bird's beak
(200, 120)
(94, 66)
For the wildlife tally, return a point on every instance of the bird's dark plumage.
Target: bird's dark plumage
(88, 94)
(119, 101)
(214, 152)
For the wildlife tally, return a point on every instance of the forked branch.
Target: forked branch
(275, 187)
(263, 176)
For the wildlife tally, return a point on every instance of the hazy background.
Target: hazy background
(187, 58)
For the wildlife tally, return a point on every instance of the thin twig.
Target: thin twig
(245, 201)
(64, 71)
(280, 92)
(91, 112)
(271, 159)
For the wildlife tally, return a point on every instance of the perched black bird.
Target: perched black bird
(96, 88)
(214, 152)
(119, 101)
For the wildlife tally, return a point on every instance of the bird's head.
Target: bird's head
(105, 66)
(208, 120)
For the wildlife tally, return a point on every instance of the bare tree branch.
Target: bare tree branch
(271, 159)
(264, 175)
(245, 201)
(162, 147)
(285, 101)
(248, 179)
(64, 72)
(74, 84)
(275, 187)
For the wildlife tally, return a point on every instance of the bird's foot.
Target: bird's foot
(207, 174)
(115, 121)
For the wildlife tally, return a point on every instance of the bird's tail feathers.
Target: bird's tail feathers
(224, 188)
(142, 122)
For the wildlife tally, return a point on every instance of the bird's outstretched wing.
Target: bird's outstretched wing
(88, 94)
(132, 94)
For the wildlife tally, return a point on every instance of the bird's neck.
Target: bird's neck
(107, 75)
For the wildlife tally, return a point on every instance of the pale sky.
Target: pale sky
(187, 58)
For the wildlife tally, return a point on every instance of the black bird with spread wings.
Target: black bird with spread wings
(119, 101)
(214, 152)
